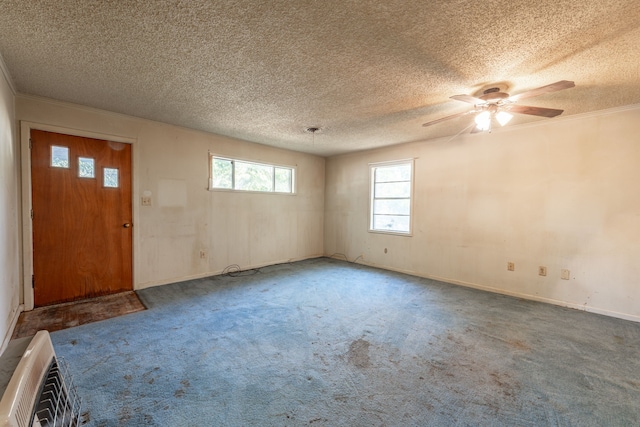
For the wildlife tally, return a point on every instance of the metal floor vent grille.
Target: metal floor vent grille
(58, 404)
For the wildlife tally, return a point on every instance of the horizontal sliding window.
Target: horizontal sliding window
(391, 191)
(241, 175)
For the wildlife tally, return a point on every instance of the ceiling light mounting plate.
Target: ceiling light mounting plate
(493, 94)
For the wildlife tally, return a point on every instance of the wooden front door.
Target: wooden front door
(81, 201)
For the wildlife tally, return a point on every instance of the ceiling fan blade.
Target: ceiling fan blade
(468, 98)
(553, 87)
(534, 111)
(433, 122)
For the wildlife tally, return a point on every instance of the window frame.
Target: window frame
(372, 198)
(233, 160)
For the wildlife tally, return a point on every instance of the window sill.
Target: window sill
(393, 233)
(230, 190)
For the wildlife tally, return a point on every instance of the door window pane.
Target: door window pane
(59, 156)
(110, 178)
(86, 167)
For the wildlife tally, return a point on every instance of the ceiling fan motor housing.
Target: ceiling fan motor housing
(493, 94)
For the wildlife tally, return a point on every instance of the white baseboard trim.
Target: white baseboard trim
(12, 327)
(151, 284)
(581, 307)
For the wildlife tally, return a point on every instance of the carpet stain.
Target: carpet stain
(148, 376)
(502, 382)
(124, 415)
(358, 354)
(517, 344)
(181, 391)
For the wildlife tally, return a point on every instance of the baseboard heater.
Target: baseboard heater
(41, 392)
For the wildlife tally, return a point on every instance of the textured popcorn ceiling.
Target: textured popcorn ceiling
(367, 72)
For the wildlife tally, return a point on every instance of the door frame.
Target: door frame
(27, 294)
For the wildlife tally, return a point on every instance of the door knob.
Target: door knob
(127, 225)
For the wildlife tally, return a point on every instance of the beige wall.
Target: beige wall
(248, 229)
(558, 193)
(9, 212)
(561, 193)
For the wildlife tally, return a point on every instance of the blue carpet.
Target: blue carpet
(327, 343)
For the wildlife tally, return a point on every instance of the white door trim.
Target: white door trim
(27, 229)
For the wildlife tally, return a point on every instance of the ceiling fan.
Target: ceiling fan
(493, 103)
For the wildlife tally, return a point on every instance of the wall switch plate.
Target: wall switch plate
(565, 274)
(511, 266)
(542, 271)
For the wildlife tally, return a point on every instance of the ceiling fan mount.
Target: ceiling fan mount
(493, 94)
(494, 103)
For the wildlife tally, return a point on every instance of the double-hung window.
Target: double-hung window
(391, 192)
(241, 175)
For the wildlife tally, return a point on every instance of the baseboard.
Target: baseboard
(145, 285)
(537, 298)
(12, 327)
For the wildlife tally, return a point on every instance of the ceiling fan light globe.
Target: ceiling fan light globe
(483, 121)
(503, 117)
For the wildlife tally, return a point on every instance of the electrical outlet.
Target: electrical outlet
(203, 254)
(542, 271)
(511, 266)
(146, 201)
(565, 274)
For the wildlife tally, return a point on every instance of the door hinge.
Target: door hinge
(31, 213)
(30, 144)
(33, 281)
